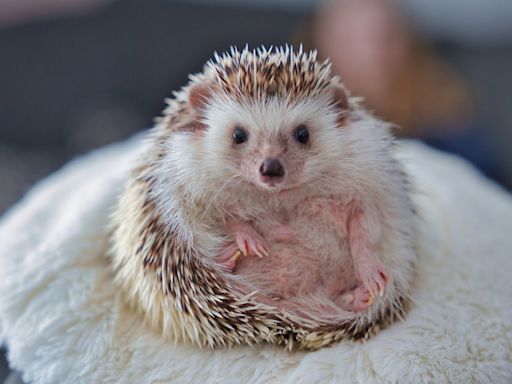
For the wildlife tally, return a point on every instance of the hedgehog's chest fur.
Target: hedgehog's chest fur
(308, 250)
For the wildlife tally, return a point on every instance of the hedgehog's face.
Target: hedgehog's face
(273, 145)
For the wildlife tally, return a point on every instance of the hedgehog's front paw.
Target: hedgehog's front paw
(373, 276)
(250, 243)
(228, 256)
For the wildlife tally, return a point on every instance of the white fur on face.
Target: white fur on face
(270, 126)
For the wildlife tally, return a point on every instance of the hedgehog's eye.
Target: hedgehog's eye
(239, 135)
(301, 134)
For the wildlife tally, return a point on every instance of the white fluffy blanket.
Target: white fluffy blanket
(64, 321)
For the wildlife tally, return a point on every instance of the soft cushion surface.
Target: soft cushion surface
(64, 321)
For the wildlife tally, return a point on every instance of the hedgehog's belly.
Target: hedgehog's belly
(289, 270)
(307, 256)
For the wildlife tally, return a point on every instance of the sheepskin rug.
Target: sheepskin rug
(64, 321)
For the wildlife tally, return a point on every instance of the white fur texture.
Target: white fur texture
(64, 322)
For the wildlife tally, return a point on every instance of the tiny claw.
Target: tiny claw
(381, 292)
(243, 249)
(235, 257)
(261, 251)
(370, 300)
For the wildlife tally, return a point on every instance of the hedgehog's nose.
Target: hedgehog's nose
(272, 168)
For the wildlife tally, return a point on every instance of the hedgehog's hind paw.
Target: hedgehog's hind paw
(356, 300)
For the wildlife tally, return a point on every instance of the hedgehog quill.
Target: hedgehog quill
(267, 207)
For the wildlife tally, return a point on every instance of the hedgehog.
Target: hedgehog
(267, 207)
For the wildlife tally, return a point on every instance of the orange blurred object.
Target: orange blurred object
(379, 57)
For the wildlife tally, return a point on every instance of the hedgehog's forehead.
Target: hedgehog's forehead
(292, 76)
(272, 116)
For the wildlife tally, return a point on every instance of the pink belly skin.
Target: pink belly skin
(308, 255)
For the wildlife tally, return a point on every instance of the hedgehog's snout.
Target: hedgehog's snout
(271, 171)
(272, 168)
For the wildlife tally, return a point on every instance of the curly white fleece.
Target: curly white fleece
(63, 320)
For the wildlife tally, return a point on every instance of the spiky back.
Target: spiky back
(257, 74)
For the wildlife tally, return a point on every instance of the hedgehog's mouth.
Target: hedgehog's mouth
(281, 189)
(280, 186)
(271, 182)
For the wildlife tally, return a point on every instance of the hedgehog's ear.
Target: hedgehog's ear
(198, 96)
(340, 102)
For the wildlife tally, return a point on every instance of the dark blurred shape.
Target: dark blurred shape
(19, 11)
(4, 368)
(130, 54)
(14, 378)
(470, 23)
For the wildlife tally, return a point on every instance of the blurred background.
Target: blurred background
(79, 74)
